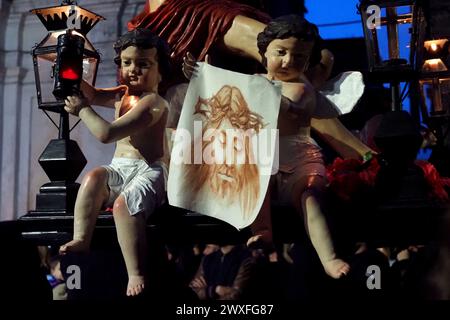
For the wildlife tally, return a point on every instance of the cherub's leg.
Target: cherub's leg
(317, 227)
(92, 195)
(340, 138)
(131, 233)
(262, 226)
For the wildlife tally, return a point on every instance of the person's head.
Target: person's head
(210, 248)
(398, 137)
(288, 45)
(228, 127)
(143, 59)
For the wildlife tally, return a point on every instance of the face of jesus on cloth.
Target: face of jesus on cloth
(228, 171)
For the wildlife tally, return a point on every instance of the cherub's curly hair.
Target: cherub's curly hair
(144, 39)
(291, 26)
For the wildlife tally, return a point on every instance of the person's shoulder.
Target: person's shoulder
(152, 100)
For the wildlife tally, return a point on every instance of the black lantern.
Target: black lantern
(65, 46)
(69, 65)
(385, 19)
(62, 60)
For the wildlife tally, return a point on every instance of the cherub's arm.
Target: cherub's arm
(322, 71)
(339, 138)
(101, 97)
(241, 38)
(147, 112)
(301, 96)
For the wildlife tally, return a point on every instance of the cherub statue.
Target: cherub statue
(134, 184)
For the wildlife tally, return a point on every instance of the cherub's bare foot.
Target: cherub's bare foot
(336, 268)
(135, 285)
(74, 246)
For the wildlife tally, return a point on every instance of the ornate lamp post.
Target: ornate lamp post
(385, 19)
(63, 59)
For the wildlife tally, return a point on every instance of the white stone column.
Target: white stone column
(12, 78)
(12, 74)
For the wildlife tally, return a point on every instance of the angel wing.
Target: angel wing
(339, 95)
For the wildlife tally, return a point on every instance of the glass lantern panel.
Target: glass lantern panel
(88, 45)
(403, 28)
(382, 43)
(405, 40)
(404, 10)
(51, 39)
(89, 69)
(45, 69)
(436, 95)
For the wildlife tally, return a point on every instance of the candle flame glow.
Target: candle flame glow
(133, 101)
(434, 65)
(128, 104)
(435, 46)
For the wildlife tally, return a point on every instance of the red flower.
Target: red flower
(347, 178)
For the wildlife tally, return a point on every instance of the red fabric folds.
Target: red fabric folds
(193, 25)
(348, 178)
(434, 180)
